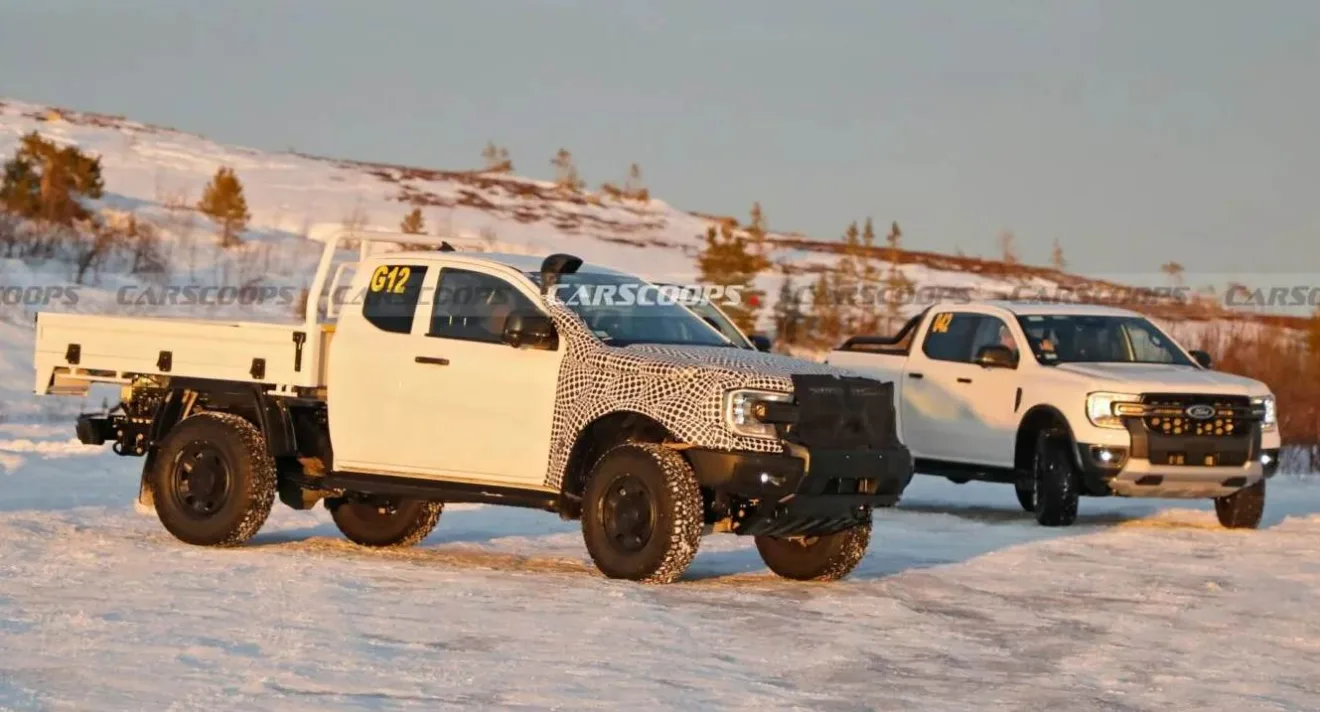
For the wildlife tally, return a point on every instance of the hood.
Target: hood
(1158, 378)
(729, 359)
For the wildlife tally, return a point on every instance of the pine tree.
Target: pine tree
(1056, 257)
(497, 158)
(727, 260)
(897, 286)
(633, 187)
(223, 201)
(413, 223)
(46, 182)
(566, 173)
(1175, 272)
(827, 313)
(1007, 247)
(788, 315)
(847, 280)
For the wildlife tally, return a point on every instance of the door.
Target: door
(931, 407)
(481, 407)
(988, 398)
(370, 365)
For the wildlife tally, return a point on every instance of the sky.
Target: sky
(1133, 132)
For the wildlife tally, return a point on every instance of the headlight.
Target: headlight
(1271, 417)
(1100, 408)
(738, 411)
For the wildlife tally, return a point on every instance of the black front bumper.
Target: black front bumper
(803, 492)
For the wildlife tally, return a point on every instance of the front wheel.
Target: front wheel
(642, 514)
(1056, 481)
(829, 557)
(1243, 508)
(384, 522)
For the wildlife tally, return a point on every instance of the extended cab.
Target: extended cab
(473, 377)
(1066, 400)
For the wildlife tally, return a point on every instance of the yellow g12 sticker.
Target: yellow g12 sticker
(393, 280)
(941, 323)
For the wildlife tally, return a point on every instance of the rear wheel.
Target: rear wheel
(1056, 482)
(829, 557)
(384, 521)
(1243, 508)
(212, 481)
(642, 514)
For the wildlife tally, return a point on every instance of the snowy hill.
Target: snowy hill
(157, 174)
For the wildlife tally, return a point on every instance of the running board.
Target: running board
(445, 491)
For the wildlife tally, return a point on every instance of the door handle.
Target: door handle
(915, 375)
(964, 380)
(433, 360)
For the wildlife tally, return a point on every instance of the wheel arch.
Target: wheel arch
(596, 439)
(270, 416)
(1037, 419)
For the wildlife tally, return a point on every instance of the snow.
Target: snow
(962, 603)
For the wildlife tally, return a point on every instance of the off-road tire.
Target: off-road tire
(1058, 485)
(823, 558)
(383, 522)
(1026, 495)
(642, 513)
(226, 507)
(1243, 508)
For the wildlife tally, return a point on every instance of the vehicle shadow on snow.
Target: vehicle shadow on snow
(926, 530)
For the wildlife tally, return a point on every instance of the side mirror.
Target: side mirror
(533, 330)
(1202, 358)
(996, 356)
(761, 342)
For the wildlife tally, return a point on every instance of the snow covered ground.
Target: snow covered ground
(962, 603)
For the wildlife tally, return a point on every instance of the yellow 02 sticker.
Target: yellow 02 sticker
(941, 323)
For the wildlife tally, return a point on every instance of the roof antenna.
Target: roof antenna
(446, 247)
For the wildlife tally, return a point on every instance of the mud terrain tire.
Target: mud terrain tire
(823, 558)
(213, 481)
(642, 513)
(384, 522)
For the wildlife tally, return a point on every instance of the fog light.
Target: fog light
(1106, 456)
(1265, 459)
(769, 479)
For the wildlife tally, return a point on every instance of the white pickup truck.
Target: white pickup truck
(473, 377)
(1066, 400)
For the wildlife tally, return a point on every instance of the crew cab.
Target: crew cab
(436, 376)
(1063, 400)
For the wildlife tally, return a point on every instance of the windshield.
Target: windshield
(622, 311)
(1056, 339)
(717, 319)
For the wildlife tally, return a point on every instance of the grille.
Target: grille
(1168, 415)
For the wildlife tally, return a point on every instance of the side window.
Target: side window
(474, 306)
(392, 296)
(992, 331)
(950, 337)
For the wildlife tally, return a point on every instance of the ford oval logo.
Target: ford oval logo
(1200, 411)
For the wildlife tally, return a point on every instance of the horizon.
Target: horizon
(1175, 127)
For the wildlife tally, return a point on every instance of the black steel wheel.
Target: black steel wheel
(212, 481)
(628, 513)
(642, 513)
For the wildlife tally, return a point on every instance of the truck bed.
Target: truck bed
(75, 350)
